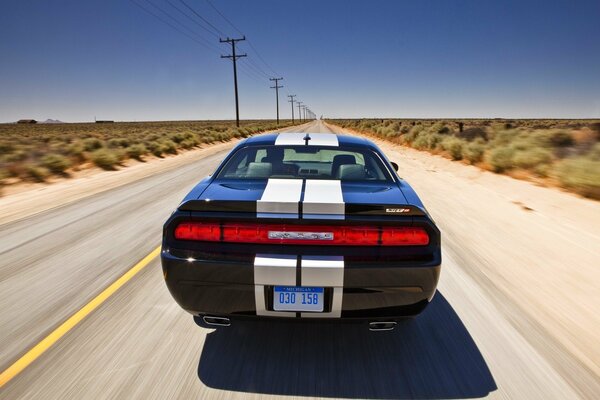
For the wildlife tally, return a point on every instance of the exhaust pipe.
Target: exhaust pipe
(216, 321)
(382, 326)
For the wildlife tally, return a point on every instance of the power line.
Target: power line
(192, 19)
(193, 36)
(276, 87)
(180, 23)
(234, 58)
(251, 66)
(202, 18)
(197, 40)
(241, 33)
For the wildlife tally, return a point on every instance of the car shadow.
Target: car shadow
(432, 356)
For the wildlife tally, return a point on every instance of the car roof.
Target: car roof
(316, 139)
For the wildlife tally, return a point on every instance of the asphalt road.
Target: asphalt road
(473, 341)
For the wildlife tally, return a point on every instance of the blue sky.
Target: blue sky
(73, 60)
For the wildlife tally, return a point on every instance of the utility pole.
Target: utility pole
(304, 113)
(299, 110)
(291, 100)
(234, 58)
(276, 87)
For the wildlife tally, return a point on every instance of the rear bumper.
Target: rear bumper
(228, 288)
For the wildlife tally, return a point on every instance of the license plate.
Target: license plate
(298, 298)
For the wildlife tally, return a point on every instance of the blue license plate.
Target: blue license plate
(298, 298)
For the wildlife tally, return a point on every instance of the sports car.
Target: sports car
(302, 226)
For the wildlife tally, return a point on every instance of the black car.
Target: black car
(302, 226)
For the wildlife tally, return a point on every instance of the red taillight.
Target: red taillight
(349, 235)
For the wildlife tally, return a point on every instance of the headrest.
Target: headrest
(344, 159)
(352, 172)
(259, 170)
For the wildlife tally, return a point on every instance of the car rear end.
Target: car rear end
(302, 247)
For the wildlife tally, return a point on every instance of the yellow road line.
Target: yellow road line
(70, 323)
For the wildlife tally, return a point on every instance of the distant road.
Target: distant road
(489, 330)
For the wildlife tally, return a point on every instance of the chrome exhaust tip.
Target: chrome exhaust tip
(382, 326)
(216, 321)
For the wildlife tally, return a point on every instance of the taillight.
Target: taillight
(345, 235)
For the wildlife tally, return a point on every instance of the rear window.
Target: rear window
(314, 162)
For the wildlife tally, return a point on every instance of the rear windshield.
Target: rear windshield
(314, 162)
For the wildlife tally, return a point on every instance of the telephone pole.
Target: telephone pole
(234, 58)
(291, 100)
(299, 110)
(276, 87)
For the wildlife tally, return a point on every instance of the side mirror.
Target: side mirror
(394, 165)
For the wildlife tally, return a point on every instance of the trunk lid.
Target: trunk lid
(307, 199)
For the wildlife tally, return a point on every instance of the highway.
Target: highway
(516, 315)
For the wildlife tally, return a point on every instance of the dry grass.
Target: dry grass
(563, 151)
(36, 152)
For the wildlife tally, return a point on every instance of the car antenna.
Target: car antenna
(306, 139)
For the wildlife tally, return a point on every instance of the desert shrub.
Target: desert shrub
(36, 173)
(542, 170)
(177, 137)
(6, 147)
(472, 134)
(524, 143)
(553, 138)
(118, 142)
(596, 128)
(386, 132)
(76, 149)
(91, 144)
(474, 151)
(105, 158)
(438, 127)
(434, 141)
(420, 142)
(189, 143)
(3, 174)
(156, 148)
(503, 137)
(501, 158)
(208, 139)
(56, 163)
(17, 155)
(136, 151)
(454, 147)
(581, 175)
(169, 146)
(532, 157)
(413, 133)
(594, 153)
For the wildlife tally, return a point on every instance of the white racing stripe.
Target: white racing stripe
(324, 271)
(323, 199)
(316, 271)
(272, 270)
(316, 139)
(323, 139)
(280, 199)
